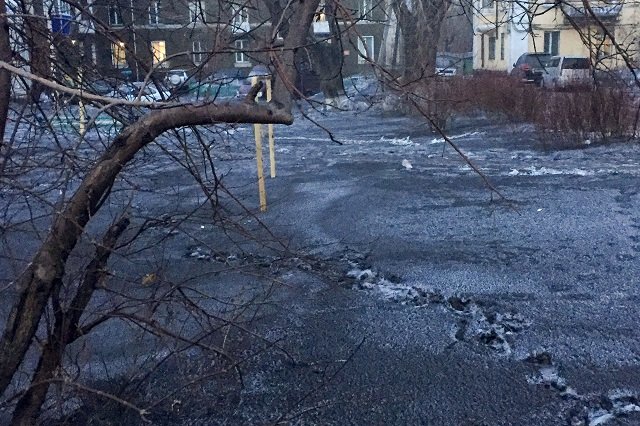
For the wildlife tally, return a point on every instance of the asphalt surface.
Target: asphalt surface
(434, 301)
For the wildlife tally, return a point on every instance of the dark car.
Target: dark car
(530, 67)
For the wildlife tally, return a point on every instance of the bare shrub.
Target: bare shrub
(573, 115)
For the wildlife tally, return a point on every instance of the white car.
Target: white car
(565, 71)
(131, 91)
(175, 78)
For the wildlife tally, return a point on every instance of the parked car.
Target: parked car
(130, 92)
(176, 77)
(530, 67)
(564, 71)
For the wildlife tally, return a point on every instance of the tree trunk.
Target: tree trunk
(421, 28)
(39, 47)
(5, 76)
(65, 330)
(297, 35)
(45, 272)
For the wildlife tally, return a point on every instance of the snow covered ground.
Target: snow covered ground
(446, 304)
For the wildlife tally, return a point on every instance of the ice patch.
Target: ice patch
(541, 171)
(463, 135)
(397, 141)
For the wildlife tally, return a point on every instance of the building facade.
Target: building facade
(133, 37)
(504, 30)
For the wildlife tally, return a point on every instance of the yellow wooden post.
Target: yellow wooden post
(257, 130)
(272, 142)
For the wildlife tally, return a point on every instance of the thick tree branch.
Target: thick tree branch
(46, 270)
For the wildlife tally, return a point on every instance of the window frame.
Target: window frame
(197, 54)
(366, 52)
(239, 15)
(549, 39)
(491, 45)
(366, 10)
(159, 61)
(118, 54)
(197, 12)
(239, 46)
(115, 16)
(154, 12)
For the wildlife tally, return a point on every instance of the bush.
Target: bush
(599, 113)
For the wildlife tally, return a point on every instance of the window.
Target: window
(365, 49)
(502, 46)
(240, 56)
(60, 7)
(154, 13)
(482, 50)
(118, 55)
(115, 15)
(196, 11)
(159, 52)
(551, 42)
(492, 48)
(365, 9)
(487, 3)
(240, 16)
(197, 52)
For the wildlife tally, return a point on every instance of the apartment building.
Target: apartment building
(503, 30)
(170, 34)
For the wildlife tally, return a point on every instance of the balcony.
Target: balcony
(601, 11)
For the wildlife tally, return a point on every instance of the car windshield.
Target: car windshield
(575, 64)
(537, 60)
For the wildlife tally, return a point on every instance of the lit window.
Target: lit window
(240, 56)
(197, 52)
(159, 52)
(115, 15)
(118, 55)
(154, 13)
(196, 11)
(365, 49)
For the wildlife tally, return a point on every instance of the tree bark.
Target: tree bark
(5, 76)
(421, 29)
(65, 330)
(39, 47)
(297, 35)
(46, 270)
